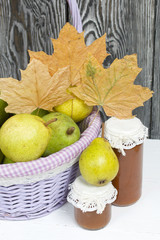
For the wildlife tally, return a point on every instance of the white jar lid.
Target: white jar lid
(125, 133)
(90, 198)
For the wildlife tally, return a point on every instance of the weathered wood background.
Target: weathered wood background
(132, 26)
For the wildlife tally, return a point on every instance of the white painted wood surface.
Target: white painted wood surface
(140, 221)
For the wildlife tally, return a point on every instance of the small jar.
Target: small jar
(126, 137)
(92, 204)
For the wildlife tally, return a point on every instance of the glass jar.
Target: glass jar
(92, 204)
(92, 220)
(126, 137)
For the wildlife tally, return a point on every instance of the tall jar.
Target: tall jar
(92, 204)
(126, 137)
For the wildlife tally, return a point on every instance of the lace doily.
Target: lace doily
(90, 198)
(125, 133)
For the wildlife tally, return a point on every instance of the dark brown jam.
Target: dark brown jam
(128, 181)
(92, 220)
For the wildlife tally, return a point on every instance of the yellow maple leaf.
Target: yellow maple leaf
(70, 50)
(37, 89)
(112, 88)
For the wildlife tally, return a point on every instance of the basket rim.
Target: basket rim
(64, 156)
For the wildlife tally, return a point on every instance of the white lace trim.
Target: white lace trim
(89, 202)
(126, 142)
(37, 177)
(125, 134)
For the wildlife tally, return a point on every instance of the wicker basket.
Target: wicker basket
(33, 189)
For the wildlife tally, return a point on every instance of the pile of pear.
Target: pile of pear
(26, 137)
(98, 163)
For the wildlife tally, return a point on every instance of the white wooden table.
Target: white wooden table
(140, 221)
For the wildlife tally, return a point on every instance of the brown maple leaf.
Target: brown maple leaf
(70, 50)
(112, 88)
(37, 89)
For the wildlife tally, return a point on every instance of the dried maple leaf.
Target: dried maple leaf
(112, 88)
(46, 59)
(70, 49)
(37, 89)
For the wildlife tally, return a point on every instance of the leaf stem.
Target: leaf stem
(95, 116)
(38, 111)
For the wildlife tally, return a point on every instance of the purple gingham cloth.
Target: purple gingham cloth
(55, 160)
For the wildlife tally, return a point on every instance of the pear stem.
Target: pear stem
(103, 126)
(50, 121)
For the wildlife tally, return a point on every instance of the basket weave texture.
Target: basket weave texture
(33, 189)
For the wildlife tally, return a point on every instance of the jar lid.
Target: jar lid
(125, 133)
(90, 198)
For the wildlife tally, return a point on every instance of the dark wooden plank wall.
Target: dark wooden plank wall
(27, 24)
(131, 27)
(155, 110)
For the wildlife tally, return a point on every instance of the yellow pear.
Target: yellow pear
(74, 108)
(24, 137)
(98, 163)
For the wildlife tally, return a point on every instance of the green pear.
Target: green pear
(24, 137)
(98, 163)
(1, 156)
(40, 112)
(7, 160)
(64, 132)
(3, 114)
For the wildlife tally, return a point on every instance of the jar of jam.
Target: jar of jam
(92, 204)
(126, 137)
